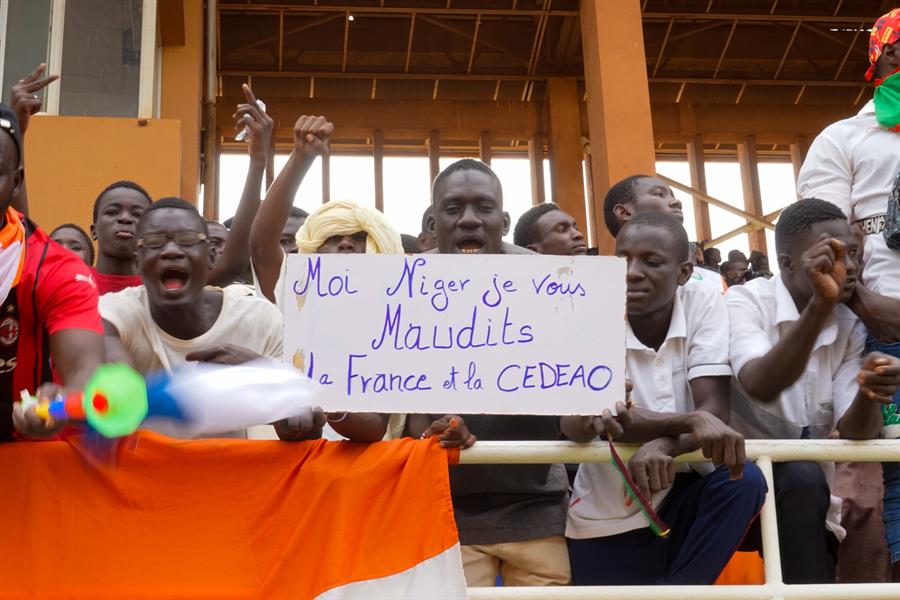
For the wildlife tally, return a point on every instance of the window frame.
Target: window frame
(148, 82)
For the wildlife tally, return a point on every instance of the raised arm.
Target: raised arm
(311, 137)
(237, 251)
(24, 100)
(765, 377)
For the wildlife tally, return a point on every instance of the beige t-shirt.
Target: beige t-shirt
(246, 321)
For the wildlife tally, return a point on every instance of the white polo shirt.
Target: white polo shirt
(706, 278)
(696, 345)
(853, 164)
(758, 312)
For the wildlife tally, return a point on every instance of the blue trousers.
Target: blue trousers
(891, 471)
(708, 516)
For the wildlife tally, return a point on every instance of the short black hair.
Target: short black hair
(82, 233)
(173, 202)
(124, 183)
(526, 231)
(707, 254)
(665, 221)
(428, 214)
(9, 122)
(737, 255)
(298, 213)
(410, 243)
(465, 164)
(214, 222)
(798, 218)
(621, 192)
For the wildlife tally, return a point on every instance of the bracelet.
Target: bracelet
(330, 420)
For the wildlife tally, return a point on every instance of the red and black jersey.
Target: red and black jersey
(55, 292)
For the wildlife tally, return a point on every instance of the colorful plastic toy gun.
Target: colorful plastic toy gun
(197, 400)
(114, 402)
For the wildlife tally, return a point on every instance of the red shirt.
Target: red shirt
(108, 284)
(55, 292)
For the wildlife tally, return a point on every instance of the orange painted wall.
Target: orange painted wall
(68, 160)
(181, 95)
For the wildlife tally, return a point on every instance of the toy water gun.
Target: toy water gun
(197, 400)
(113, 403)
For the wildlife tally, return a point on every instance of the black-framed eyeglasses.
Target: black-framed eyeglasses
(185, 239)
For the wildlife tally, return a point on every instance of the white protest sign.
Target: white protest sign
(431, 333)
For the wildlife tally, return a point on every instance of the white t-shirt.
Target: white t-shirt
(244, 321)
(758, 312)
(853, 164)
(694, 347)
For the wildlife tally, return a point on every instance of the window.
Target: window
(27, 29)
(100, 73)
(104, 51)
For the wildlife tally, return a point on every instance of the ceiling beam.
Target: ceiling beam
(409, 42)
(474, 45)
(662, 47)
(779, 18)
(849, 49)
(787, 50)
(266, 40)
(346, 42)
(465, 34)
(393, 10)
(725, 49)
(536, 77)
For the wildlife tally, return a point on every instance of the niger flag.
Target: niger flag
(227, 519)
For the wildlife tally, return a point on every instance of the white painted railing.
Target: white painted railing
(764, 452)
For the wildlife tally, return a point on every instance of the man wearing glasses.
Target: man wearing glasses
(175, 316)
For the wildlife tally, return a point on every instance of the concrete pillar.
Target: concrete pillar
(536, 160)
(378, 152)
(181, 95)
(702, 225)
(566, 154)
(618, 99)
(752, 193)
(434, 154)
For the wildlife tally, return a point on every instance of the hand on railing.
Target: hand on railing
(451, 432)
(719, 443)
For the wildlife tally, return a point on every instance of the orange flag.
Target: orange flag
(228, 519)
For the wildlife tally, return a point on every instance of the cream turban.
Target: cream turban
(345, 217)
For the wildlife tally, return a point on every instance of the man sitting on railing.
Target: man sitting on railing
(511, 518)
(680, 408)
(796, 351)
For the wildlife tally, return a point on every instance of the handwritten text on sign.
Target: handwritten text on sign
(458, 334)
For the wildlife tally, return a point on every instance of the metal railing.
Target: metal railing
(764, 452)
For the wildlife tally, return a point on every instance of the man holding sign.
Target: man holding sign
(511, 518)
(708, 510)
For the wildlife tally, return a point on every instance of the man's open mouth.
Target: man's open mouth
(174, 278)
(469, 245)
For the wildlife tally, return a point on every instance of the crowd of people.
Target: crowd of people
(714, 354)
